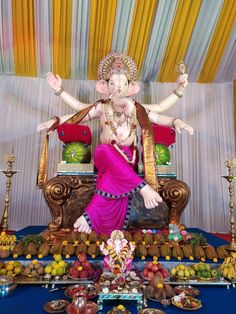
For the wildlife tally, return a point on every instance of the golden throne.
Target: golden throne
(68, 195)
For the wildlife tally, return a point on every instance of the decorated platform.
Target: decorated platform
(151, 276)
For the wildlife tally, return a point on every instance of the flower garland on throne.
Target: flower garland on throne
(118, 253)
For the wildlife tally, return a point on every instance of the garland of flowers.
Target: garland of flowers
(112, 129)
(118, 261)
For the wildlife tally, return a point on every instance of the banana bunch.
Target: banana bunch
(228, 267)
(7, 241)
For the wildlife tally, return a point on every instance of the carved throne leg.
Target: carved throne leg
(176, 194)
(56, 192)
(67, 196)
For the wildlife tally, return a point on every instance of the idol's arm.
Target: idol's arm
(168, 102)
(94, 113)
(176, 123)
(55, 82)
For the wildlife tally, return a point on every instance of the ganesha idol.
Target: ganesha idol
(120, 116)
(118, 253)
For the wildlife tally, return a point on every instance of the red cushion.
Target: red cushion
(68, 133)
(163, 134)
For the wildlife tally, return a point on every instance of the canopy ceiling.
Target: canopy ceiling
(69, 37)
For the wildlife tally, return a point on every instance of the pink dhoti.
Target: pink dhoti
(115, 182)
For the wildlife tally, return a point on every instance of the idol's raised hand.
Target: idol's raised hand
(54, 81)
(182, 83)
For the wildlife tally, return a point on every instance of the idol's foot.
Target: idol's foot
(151, 198)
(81, 225)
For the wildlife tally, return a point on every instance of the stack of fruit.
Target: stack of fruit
(153, 268)
(11, 268)
(158, 290)
(229, 267)
(81, 268)
(204, 271)
(33, 269)
(182, 272)
(58, 267)
(7, 244)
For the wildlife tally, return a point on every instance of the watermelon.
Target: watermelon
(76, 152)
(162, 154)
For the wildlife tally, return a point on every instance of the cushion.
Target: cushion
(68, 133)
(163, 134)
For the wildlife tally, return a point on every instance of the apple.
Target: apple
(164, 272)
(149, 265)
(83, 273)
(145, 272)
(82, 257)
(74, 272)
(86, 265)
(155, 268)
(76, 263)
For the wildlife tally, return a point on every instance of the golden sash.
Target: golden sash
(149, 159)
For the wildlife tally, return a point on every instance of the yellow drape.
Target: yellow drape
(235, 105)
(102, 18)
(141, 27)
(219, 41)
(180, 35)
(24, 37)
(61, 37)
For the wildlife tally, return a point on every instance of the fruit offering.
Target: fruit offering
(58, 267)
(186, 302)
(205, 272)
(81, 268)
(153, 268)
(7, 244)
(183, 272)
(158, 290)
(128, 282)
(229, 267)
(33, 269)
(187, 290)
(11, 268)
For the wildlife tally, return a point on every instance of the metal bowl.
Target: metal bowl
(7, 286)
(88, 291)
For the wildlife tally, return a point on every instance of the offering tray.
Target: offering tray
(200, 282)
(54, 280)
(141, 301)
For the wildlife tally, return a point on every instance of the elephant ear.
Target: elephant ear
(124, 242)
(102, 87)
(110, 242)
(133, 88)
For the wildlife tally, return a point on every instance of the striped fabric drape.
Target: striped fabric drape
(71, 36)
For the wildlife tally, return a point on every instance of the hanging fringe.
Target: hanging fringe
(43, 164)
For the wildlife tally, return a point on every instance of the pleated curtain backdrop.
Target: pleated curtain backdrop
(25, 102)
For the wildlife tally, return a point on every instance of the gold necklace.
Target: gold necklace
(112, 129)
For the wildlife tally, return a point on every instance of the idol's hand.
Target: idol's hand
(182, 83)
(45, 125)
(54, 81)
(179, 124)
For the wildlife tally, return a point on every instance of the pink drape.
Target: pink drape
(116, 180)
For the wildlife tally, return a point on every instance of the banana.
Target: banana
(229, 267)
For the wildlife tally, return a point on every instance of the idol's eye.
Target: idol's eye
(111, 83)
